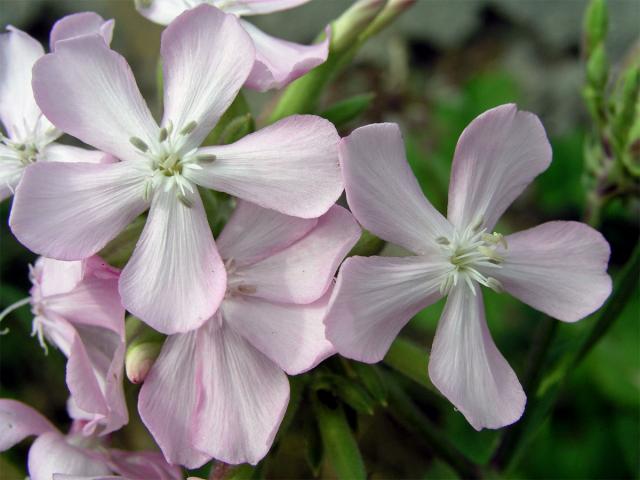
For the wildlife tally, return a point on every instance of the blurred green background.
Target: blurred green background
(432, 72)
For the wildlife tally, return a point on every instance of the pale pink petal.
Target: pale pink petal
(271, 232)
(279, 62)
(302, 272)
(70, 211)
(88, 90)
(374, 298)
(51, 454)
(53, 277)
(559, 268)
(18, 110)
(497, 156)
(175, 279)
(19, 421)
(143, 465)
(207, 56)
(167, 400)
(468, 369)
(383, 193)
(79, 24)
(56, 152)
(291, 335)
(164, 11)
(256, 7)
(290, 166)
(243, 399)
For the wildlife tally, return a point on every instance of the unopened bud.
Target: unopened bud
(140, 358)
(348, 27)
(389, 13)
(595, 24)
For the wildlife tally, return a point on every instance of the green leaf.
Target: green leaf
(339, 445)
(344, 111)
(368, 244)
(372, 380)
(409, 359)
(118, 251)
(235, 122)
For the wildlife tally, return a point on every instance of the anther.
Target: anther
(162, 136)
(139, 144)
(495, 285)
(476, 225)
(185, 201)
(442, 241)
(189, 127)
(247, 289)
(206, 158)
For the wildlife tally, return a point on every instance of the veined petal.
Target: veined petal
(88, 90)
(151, 465)
(497, 156)
(279, 62)
(19, 421)
(79, 24)
(290, 166)
(270, 232)
(207, 57)
(302, 272)
(256, 7)
(559, 268)
(383, 193)
(167, 400)
(468, 369)
(56, 152)
(175, 279)
(374, 298)
(291, 335)
(51, 454)
(70, 211)
(18, 110)
(243, 399)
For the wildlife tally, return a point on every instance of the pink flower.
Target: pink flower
(30, 136)
(557, 267)
(221, 391)
(74, 455)
(175, 279)
(77, 309)
(277, 62)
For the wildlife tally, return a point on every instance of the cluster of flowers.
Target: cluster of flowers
(260, 302)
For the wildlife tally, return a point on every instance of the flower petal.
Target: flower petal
(18, 110)
(243, 399)
(468, 369)
(374, 298)
(19, 421)
(497, 156)
(559, 268)
(143, 465)
(88, 90)
(257, 7)
(271, 232)
(302, 272)
(56, 152)
(290, 166)
(11, 169)
(291, 335)
(51, 454)
(70, 211)
(279, 62)
(168, 396)
(383, 193)
(80, 24)
(175, 279)
(207, 56)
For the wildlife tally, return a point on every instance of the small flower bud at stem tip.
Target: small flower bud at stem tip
(139, 360)
(139, 144)
(189, 127)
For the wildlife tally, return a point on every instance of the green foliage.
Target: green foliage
(343, 112)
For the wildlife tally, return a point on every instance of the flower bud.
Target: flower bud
(140, 358)
(595, 25)
(346, 29)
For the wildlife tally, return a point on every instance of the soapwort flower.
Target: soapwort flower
(77, 309)
(54, 455)
(277, 63)
(221, 391)
(558, 268)
(30, 137)
(175, 279)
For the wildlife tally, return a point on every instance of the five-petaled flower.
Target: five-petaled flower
(558, 268)
(175, 279)
(277, 62)
(221, 391)
(30, 137)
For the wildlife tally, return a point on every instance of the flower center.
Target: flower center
(25, 152)
(471, 252)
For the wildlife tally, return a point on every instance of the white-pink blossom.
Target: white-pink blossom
(558, 268)
(175, 279)
(278, 62)
(30, 137)
(221, 391)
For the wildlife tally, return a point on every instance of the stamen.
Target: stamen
(443, 241)
(206, 157)
(14, 306)
(184, 200)
(139, 144)
(163, 135)
(247, 289)
(495, 285)
(189, 127)
(477, 223)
